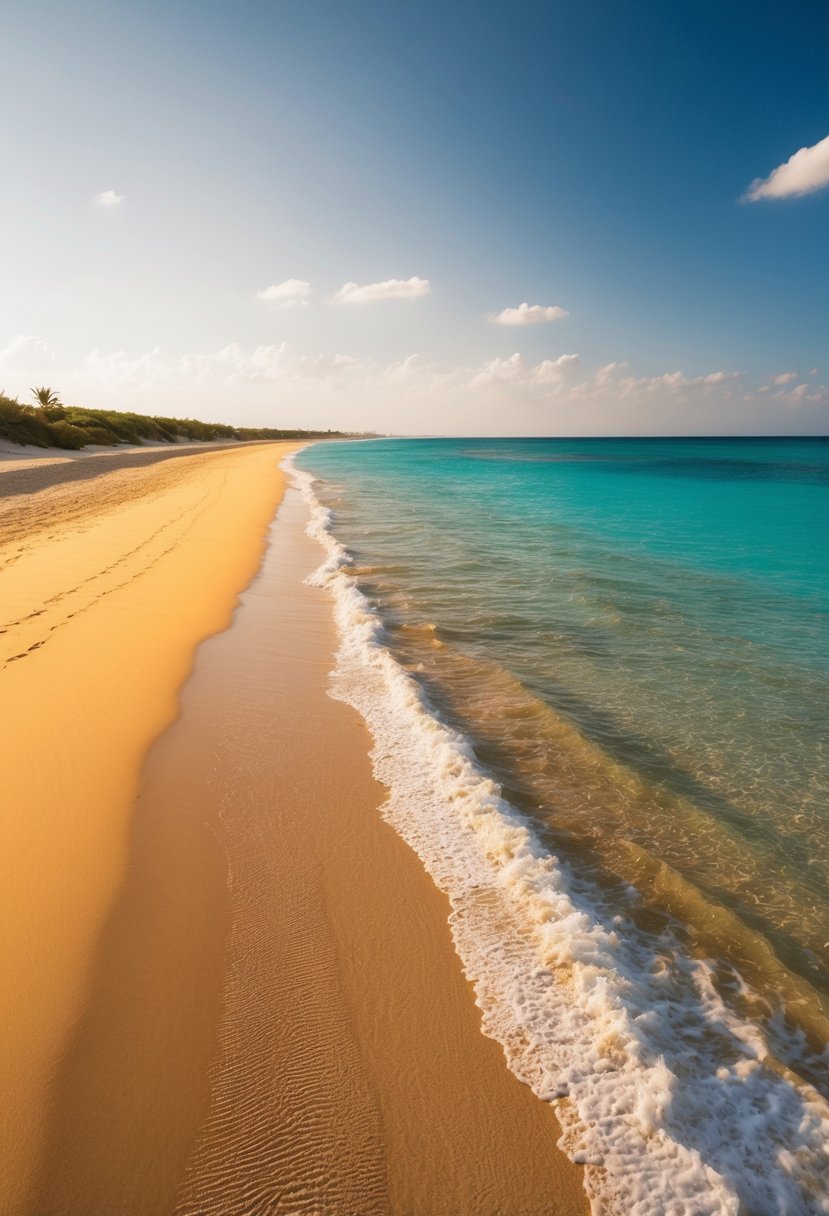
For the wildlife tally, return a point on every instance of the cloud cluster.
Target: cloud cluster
(277, 384)
(109, 198)
(608, 381)
(390, 289)
(517, 372)
(803, 173)
(23, 352)
(782, 388)
(529, 314)
(292, 293)
(295, 292)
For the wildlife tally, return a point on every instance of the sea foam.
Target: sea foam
(671, 1101)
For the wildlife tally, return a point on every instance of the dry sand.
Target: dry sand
(233, 991)
(106, 585)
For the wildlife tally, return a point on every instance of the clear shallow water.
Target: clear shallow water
(626, 643)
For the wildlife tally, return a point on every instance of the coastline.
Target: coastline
(263, 982)
(616, 1012)
(383, 1094)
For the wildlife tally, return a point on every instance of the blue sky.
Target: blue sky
(585, 157)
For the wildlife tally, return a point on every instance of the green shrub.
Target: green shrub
(68, 436)
(97, 434)
(21, 424)
(53, 413)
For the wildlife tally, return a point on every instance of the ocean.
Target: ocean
(596, 674)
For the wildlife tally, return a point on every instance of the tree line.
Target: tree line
(48, 423)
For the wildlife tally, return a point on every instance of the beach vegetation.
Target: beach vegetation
(50, 424)
(48, 403)
(68, 436)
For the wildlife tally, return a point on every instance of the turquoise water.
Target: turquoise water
(633, 636)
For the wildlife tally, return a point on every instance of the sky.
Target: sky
(575, 217)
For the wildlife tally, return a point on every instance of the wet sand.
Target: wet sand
(261, 1011)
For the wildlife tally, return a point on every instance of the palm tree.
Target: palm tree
(48, 405)
(45, 397)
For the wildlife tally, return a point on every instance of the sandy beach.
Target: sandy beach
(231, 986)
(108, 584)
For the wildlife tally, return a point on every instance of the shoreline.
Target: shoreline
(386, 1029)
(598, 992)
(268, 987)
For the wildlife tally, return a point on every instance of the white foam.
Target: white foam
(664, 1094)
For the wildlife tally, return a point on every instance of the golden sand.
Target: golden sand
(106, 587)
(235, 989)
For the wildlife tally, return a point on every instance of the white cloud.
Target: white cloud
(607, 383)
(677, 382)
(108, 198)
(605, 373)
(26, 355)
(275, 384)
(116, 368)
(290, 294)
(782, 388)
(553, 371)
(517, 373)
(803, 173)
(389, 289)
(529, 314)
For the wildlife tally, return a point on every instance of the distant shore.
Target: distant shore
(231, 986)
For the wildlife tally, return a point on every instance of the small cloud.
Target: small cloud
(607, 381)
(607, 371)
(785, 378)
(26, 350)
(551, 371)
(529, 314)
(290, 294)
(108, 198)
(389, 289)
(803, 173)
(515, 371)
